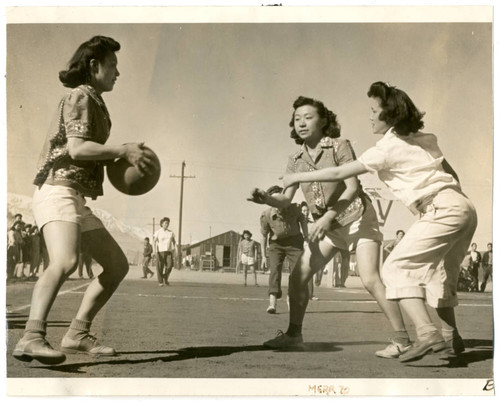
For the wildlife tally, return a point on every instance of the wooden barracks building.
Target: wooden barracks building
(218, 252)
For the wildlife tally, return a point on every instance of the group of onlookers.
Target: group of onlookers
(26, 250)
(473, 261)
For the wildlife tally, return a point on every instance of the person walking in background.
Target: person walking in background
(247, 255)
(14, 245)
(425, 265)
(475, 257)
(164, 241)
(281, 229)
(147, 252)
(487, 266)
(35, 251)
(390, 246)
(70, 168)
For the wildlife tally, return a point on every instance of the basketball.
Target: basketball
(126, 178)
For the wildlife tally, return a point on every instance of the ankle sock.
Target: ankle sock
(401, 337)
(294, 330)
(78, 329)
(425, 330)
(35, 329)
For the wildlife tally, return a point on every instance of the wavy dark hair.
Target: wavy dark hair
(332, 126)
(246, 232)
(78, 71)
(399, 111)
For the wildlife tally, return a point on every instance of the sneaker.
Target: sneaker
(393, 351)
(38, 349)
(161, 284)
(88, 345)
(455, 346)
(315, 298)
(271, 310)
(283, 341)
(433, 342)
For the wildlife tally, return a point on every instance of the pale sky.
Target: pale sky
(219, 96)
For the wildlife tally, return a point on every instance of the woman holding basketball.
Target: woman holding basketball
(425, 265)
(71, 168)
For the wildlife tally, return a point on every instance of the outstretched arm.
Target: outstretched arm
(338, 173)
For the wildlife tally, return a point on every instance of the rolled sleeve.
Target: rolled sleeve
(373, 159)
(76, 115)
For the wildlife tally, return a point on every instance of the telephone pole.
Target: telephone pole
(179, 243)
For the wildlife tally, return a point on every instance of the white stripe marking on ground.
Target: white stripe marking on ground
(261, 299)
(72, 290)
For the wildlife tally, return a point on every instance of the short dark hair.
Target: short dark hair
(78, 72)
(18, 214)
(473, 244)
(489, 244)
(246, 232)
(146, 238)
(400, 231)
(165, 219)
(332, 126)
(399, 111)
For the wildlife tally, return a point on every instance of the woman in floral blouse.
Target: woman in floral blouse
(71, 168)
(344, 219)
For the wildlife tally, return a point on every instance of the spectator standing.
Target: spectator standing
(476, 262)
(487, 266)
(147, 252)
(281, 229)
(164, 240)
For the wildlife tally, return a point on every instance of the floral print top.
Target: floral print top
(82, 113)
(322, 196)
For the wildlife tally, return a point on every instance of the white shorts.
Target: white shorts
(246, 260)
(59, 203)
(363, 230)
(426, 262)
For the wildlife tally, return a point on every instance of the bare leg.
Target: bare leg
(367, 255)
(315, 257)
(104, 249)
(61, 239)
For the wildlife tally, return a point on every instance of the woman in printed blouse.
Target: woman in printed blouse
(344, 219)
(71, 168)
(247, 255)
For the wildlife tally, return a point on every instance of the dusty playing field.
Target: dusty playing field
(207, 325)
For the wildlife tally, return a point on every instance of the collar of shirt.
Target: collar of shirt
(325, 142)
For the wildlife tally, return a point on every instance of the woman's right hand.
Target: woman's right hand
(137, 155)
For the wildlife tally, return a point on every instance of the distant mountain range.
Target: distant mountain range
(128, 237)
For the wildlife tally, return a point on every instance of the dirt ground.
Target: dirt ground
(208, 325)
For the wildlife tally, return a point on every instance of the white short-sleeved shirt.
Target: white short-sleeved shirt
(166, 240)
(410, 166)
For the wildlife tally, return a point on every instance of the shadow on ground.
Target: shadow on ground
(18, 321)
(171, 356)
(476, 350)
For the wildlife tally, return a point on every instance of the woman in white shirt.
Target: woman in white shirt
(424, 266)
